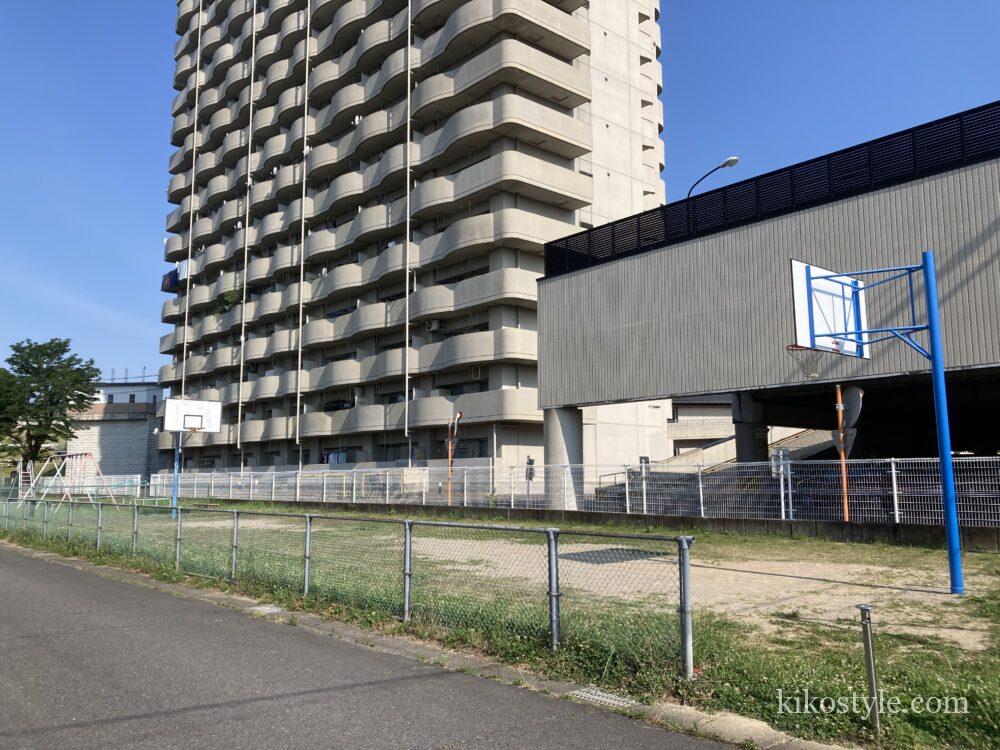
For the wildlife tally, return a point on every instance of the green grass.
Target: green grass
(629, 646)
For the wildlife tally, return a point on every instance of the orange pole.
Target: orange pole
(451, 454)
(842, 448)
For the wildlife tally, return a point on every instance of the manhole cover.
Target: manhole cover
(600, 698)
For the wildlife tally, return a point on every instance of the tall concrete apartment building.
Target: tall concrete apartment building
(528, 119)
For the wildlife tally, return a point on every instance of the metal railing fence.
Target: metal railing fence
(514, 588)
(888, 491)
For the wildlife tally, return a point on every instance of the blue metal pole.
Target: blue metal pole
(943, 428)
(177, 472)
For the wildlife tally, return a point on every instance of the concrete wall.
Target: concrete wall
(715, 314)
(120, 446)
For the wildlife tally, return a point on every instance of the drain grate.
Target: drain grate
(602, 699)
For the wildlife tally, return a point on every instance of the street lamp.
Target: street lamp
(732, 161)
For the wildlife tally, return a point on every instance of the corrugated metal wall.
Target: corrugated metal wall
(715, 314)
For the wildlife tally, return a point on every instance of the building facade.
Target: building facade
(696, 297)
(360, 222)
(118, 430)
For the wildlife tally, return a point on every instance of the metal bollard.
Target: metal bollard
(553, 549)
(684, 610)
(307, 556)
(135, 529)
(407, 566)
(236, 544)
(177, 543)
(100, 523)
(866, 639)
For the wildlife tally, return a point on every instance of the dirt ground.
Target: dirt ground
(910, 594)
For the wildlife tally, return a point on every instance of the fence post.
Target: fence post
(135, 528)
(230, 486)
(684, 568)
(323, 496)
(274, 476)
(386, 486)
(407, 566)
(307, 555)
(236, 544)
(789, 490)
(211, 485)
(645, 472)
(69, 522)
(250, 490)
(628, 494)
(701, 494)
(6, 514)
(138, 487)
(194, 487)
(45, 519)
(100, 523)
(781, 489)
(565, 486)
(895, 491)
(423, 487)
(553, 549)
(177, 543)
(510, 471)
(465, 487)
(298, 485)
(354, 486)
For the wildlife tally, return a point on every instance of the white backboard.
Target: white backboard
(828, 306)
(188, 415)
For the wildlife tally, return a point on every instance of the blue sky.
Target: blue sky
(85, 129)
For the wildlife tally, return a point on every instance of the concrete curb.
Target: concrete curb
(725, 727)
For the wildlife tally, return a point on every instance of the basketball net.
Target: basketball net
(807, 359)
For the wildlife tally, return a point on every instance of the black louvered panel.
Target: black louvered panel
(741, 202)
(812, 182)
(774, 193)
(938, 145)
(555, 258)
(652, 228)
(981, 132)
(578, 251)
(677, 221)
(602, 246)
(709, 212)
(892, 159)
(849, 172)
(626, 236)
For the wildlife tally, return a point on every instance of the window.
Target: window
(111, 398)
(131, 398)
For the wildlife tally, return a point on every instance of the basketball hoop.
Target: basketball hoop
(807, 359)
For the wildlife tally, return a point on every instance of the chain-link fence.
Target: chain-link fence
(513, 590)
(890, 491)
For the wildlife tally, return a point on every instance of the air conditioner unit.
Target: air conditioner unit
(433, 325)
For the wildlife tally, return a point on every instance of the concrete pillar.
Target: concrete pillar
(563, 436)
(750, 428)
(563, 448)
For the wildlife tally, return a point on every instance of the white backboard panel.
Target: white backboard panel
(187, 415)
(826, 306)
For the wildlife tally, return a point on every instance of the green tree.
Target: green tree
(41, 387)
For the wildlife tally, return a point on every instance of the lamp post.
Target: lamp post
(732, 161)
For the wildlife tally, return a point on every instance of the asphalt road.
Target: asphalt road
(89, 662)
